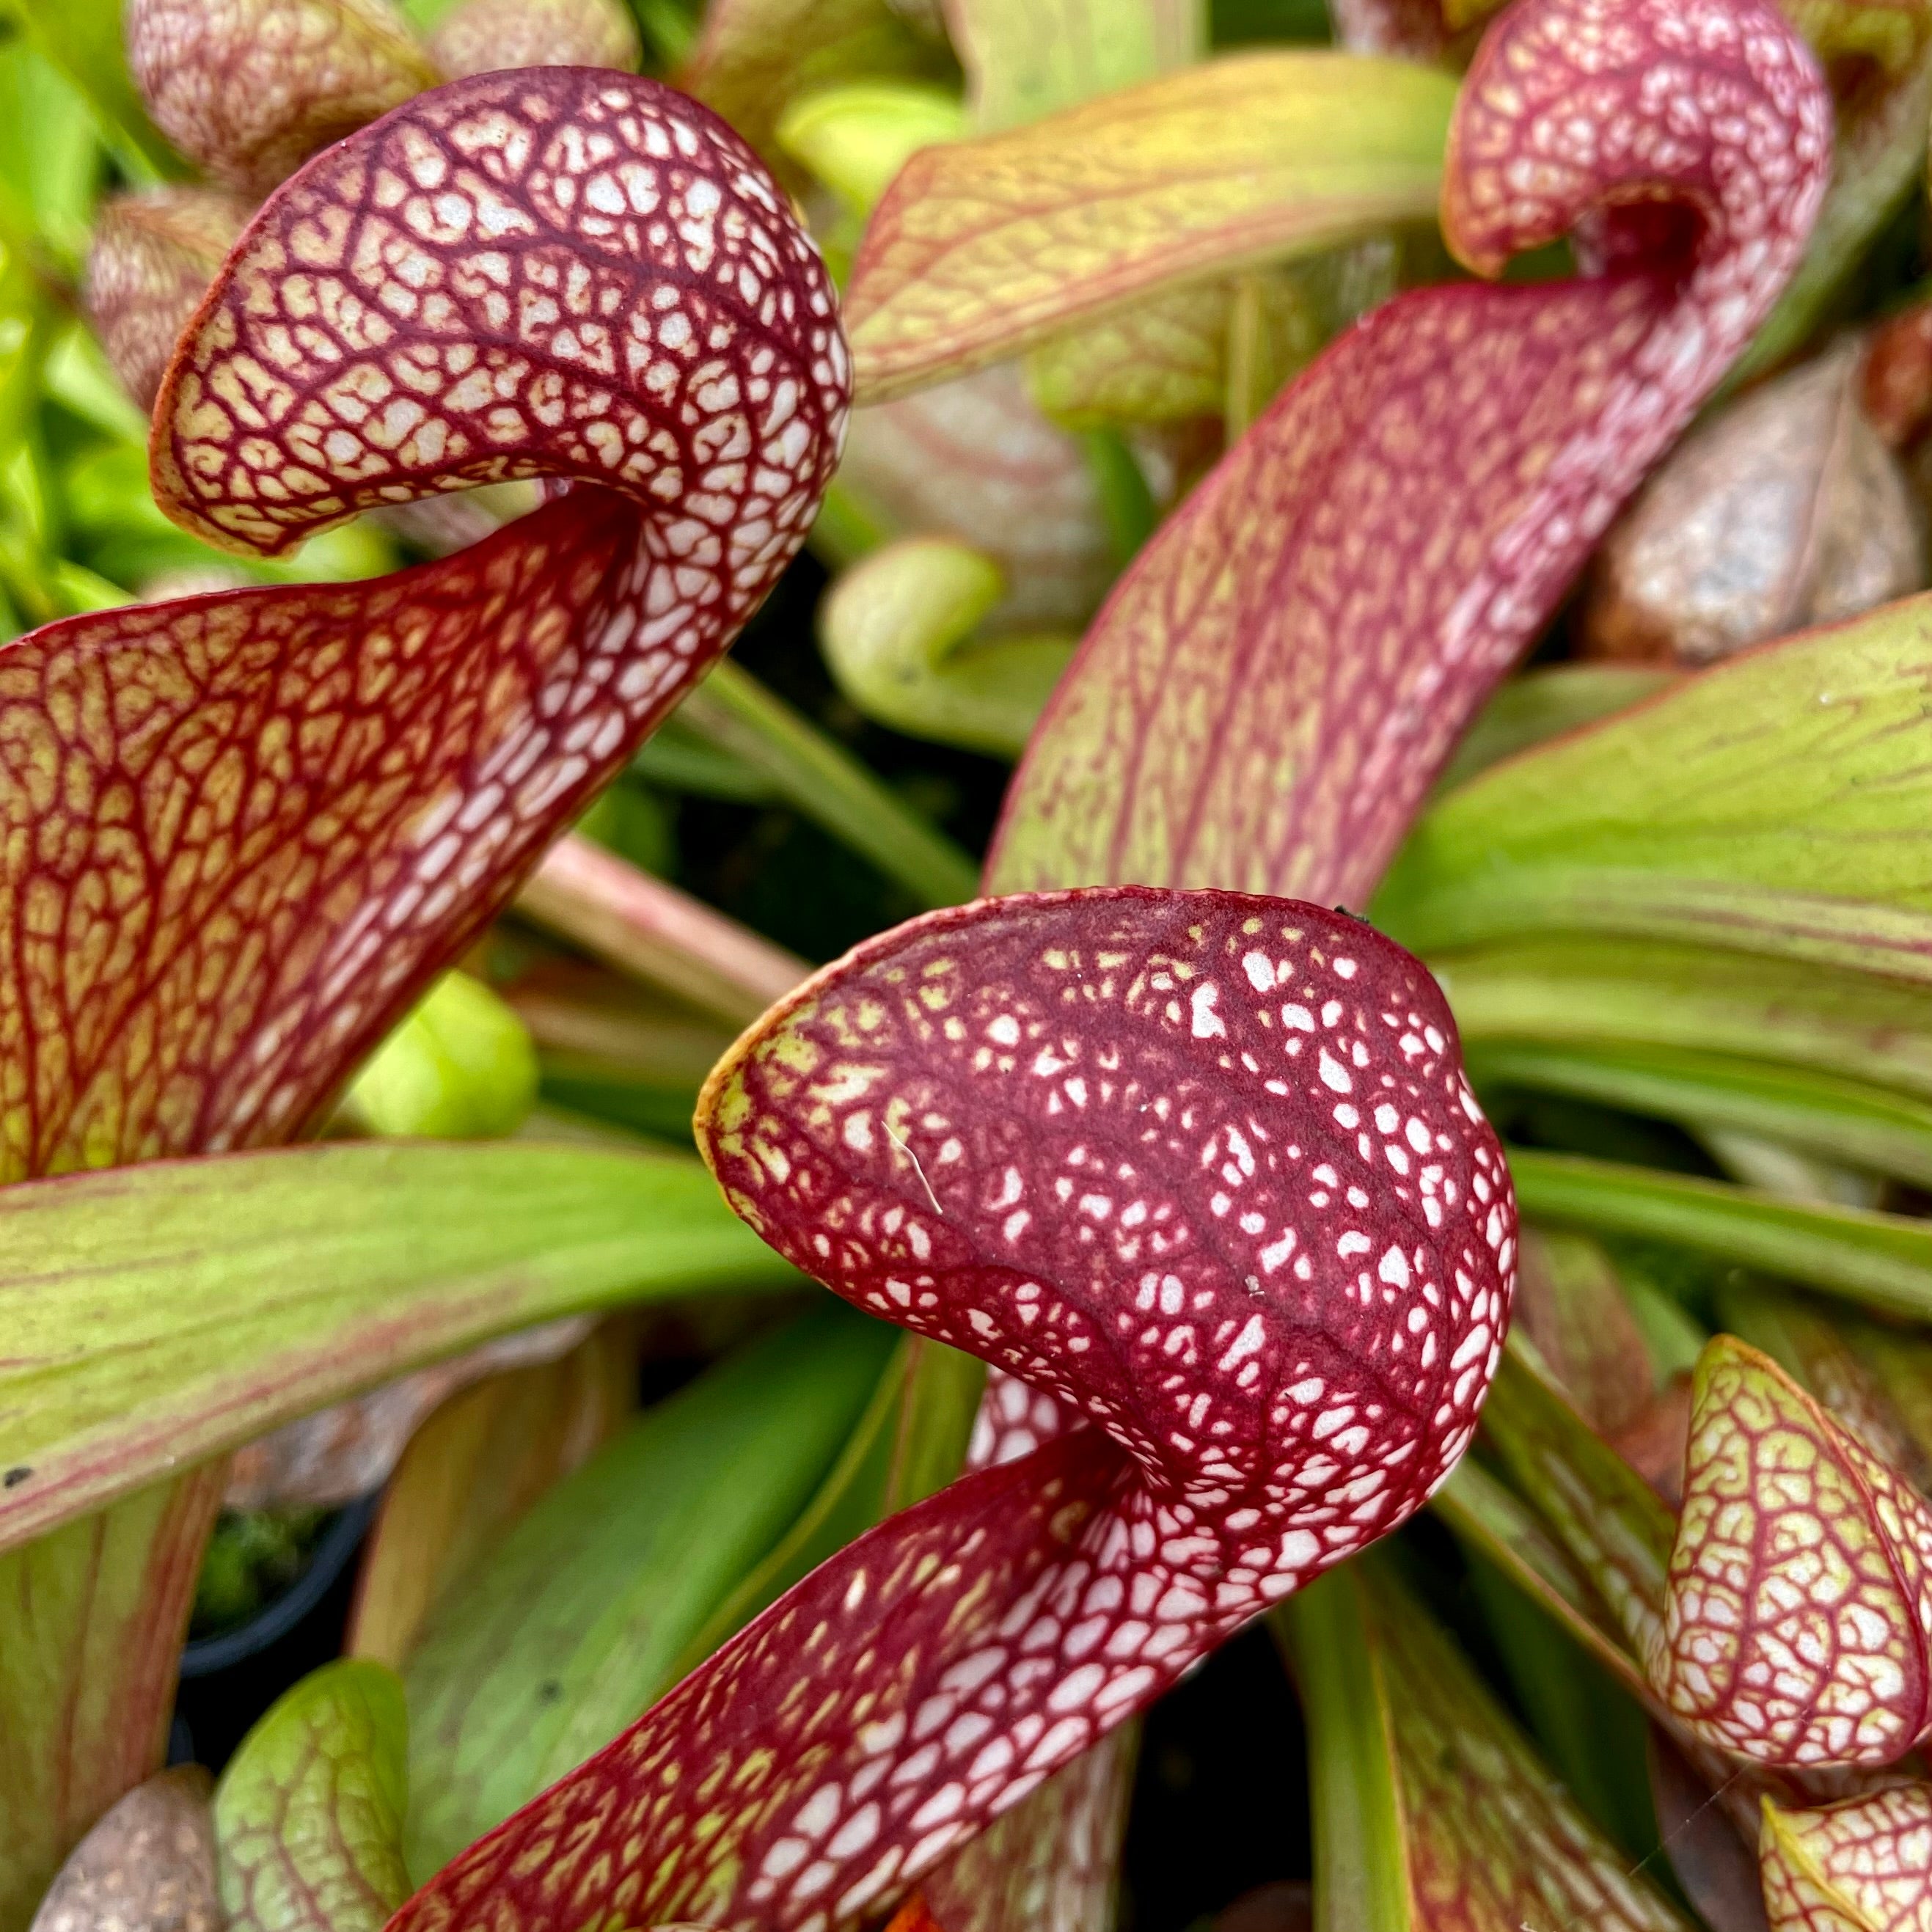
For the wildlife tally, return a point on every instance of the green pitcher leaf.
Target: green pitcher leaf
(1842, 1121)
(475, 1466)
(165, 1312)
(1611, 1524)
(576, 1624)
(1775, 804)
(1024, 59)
(1611, 995)
(1362, 1878)
(94, 1614)
(1495, 1524)
(981, 248)
(898, 633)
(1430, 1787)
(308, 1816)
(1881, 1261)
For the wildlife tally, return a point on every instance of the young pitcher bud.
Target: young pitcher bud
(1798, 1616)
(1864, 1865)
(153, 255)
(250, 88)
(485, 36)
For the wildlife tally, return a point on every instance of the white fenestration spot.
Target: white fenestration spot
(1208, 1023)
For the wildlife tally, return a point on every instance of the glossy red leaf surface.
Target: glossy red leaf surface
(1202, 1168)
(1392, 533)
(242, 832)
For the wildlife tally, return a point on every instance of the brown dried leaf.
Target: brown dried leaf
(1897, 394)
(149, 1866)
(1784, 511)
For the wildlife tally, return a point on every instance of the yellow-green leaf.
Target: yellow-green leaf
(981, 249)
(1776, 804)
(308, 1816)
(162, 1313)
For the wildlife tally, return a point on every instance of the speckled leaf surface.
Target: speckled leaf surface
(153, 257)
(1799, 1599)
(250, 88)
(244, 832)
(247, 829)
(308, 1816)
(1391, 535)
(137, 1342)
(1864, 1865)
(981, 248)
(1772, 806)
(1119, 1143)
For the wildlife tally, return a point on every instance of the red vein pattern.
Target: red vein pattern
(486, 36)
(239, 834)
(1798, 1613)
(1202, 1168)
(1862, 1866)
(153, 257)
(1387, 540)
(250, 88)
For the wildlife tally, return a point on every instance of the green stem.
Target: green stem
(1361, 1855)
(1882, 1262)
(736, 713)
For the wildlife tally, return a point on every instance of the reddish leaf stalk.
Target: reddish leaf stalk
(1384, 544)
(243, 833)
(653, 931)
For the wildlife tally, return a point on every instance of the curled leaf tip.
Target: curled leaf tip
(153, 257)
(1202, 1168)
(489, 36)
(1798, 1606)
(310, 797)
(250, 88)
(1862, 1865)
(563, 273)
(1385, 541)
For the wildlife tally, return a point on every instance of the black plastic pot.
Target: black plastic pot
(227, 1681)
